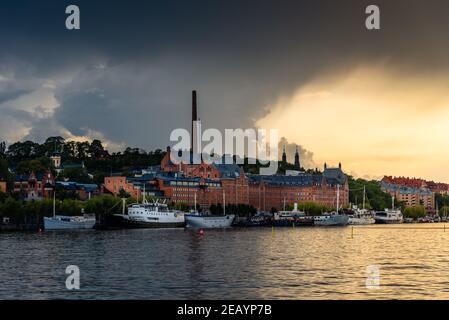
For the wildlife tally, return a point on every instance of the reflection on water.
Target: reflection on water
(299, 263)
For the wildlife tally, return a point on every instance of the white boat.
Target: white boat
(197, 221)
(361, 216)
(151, 215)
(291, 218)
(389, 216)
(58, 222)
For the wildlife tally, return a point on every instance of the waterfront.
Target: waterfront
(254, 263)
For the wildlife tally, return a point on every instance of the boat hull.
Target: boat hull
(123, 222)
(294, 223)
(388, 221)
(56, 224)
(208, 222)
(361, 221)
(334, 220)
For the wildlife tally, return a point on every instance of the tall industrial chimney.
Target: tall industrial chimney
(196, 133)
(194, 118)
(194, 111)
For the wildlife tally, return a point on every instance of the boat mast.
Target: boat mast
(224, 203)
(54, 203)
(144, 200)
(284, 203)
(363, 197)
(195, 200)
(392, 202)
(338, 197)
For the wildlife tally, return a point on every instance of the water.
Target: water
(299, 263)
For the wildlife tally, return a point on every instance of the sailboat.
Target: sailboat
(198, 221)
(361, 216)
(333, 218)
(59, 222)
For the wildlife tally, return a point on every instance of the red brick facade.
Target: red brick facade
(35, 187)
(115, 184)
(264, 196)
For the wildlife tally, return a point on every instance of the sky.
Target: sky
(376, 101)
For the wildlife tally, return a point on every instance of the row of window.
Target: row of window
(193, 183)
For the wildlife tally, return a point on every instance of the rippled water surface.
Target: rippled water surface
(299, 263)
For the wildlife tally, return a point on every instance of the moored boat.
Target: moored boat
(361, 217)
(332, 219)
(151, 215)
(58, 222)
(198, 221)
(292, 218)
(61, 222)
(389, 216)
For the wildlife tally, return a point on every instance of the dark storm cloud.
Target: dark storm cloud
(127, 74)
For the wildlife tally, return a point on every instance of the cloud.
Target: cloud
(372, 119)
(131, 84)
(305, 156)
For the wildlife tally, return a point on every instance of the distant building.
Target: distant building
(227, 183)
(412, 191)
(438, 187)
(136, 186)
(84, 191)
(34, 186)
(55, 158)
(412, 196)
(114, 184)
(266, 192)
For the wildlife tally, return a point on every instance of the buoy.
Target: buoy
(201, 232)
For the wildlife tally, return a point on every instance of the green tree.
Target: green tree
(2, 149)
(75, 174)
(96, 148)
(375, 198)
(37, 165)
(414, 212)
(104, 204)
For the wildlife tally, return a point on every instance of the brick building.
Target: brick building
(34, 186)
(266, 192)
(214, 183)
(412, 191)
(114, 184)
